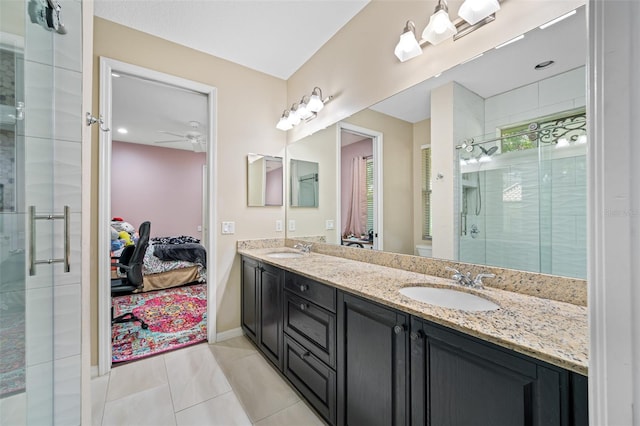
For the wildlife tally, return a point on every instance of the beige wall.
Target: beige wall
(239, 132)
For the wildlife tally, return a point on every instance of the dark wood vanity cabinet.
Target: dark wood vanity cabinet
(310, 342)
(262, 297)
(357, 362)
(373, 363)
(460, 380)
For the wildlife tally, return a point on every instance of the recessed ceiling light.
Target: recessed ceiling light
(122, 130)
(113, 74)
(545, 64)
(438, 75)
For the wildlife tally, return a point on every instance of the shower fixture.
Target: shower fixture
(488, 152)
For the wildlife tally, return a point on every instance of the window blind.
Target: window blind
(426, 193)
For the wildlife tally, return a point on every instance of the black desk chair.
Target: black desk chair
(130, 263)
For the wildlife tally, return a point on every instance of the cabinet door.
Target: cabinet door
(270, 312)
(249, 289)
(458, 380)
(372, 364)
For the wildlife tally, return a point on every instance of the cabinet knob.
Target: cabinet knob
(303, 306)
(398, 329)
(304, 287)
(416, 335)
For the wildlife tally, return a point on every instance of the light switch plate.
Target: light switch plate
(292, 225)
(278, 226)
(329, 224)
(228, 227)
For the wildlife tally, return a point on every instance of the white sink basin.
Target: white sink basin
(284, 255)
(449, 298)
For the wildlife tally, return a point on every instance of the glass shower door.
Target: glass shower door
(26, 179)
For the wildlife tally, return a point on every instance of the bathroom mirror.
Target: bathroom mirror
(500, 91)
(303, 183)
(264, 180)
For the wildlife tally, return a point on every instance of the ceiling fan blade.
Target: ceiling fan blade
(171, 133)
(174, 140)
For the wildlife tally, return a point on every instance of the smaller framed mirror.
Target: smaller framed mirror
(304, 183)
(264, 180)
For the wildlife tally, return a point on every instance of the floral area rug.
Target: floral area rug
(177, 317)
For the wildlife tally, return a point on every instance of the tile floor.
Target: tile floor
(227, 383)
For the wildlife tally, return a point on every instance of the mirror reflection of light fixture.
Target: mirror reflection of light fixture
(305, 110)
(408, 47)
(473, 11)
(440, 26)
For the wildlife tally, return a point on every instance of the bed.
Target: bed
(172, 262)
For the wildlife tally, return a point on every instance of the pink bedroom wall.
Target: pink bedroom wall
(161, 185)
(274, 188)
(362, 148)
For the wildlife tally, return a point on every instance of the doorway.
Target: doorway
(359, 180)
(198, 135)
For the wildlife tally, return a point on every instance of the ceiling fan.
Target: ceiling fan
(197, 140)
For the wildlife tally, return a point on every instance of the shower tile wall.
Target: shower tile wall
(546, 230)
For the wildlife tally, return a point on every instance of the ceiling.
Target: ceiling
(272, 36)
(148, 109)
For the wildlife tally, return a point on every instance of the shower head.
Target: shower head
(488, 152)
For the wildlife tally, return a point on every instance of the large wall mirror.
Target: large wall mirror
(264, 180)
(484, 163)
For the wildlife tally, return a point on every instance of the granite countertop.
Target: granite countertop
(548, 330)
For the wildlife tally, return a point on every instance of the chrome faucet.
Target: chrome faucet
(465, 279)
(305, 248)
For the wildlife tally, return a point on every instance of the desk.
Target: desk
(357, 242)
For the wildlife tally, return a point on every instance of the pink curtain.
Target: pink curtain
(356, 223)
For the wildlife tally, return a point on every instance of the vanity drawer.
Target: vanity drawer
(320, 294)
(312, 326)
(313, 379)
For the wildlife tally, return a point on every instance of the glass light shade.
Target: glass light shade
(303, 111)
(408, 47)
(315, 104)
(473, 11)
(439, 28)
(283, 123)
(293, 119)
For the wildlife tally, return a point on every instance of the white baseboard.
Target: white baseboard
(229, 334)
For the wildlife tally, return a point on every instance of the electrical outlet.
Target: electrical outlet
(292, 225)
(278, 226)
(329, 224)
(228, 227)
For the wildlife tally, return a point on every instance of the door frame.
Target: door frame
(107, 66)
(377, 140)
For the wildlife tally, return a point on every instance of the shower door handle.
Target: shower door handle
(33, 217)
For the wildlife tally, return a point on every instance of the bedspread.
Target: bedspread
(190, 252)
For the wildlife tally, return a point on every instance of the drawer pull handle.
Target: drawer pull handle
(304, 287)
(303, 306)
(398, 329)
(305, 355)
(416, 335)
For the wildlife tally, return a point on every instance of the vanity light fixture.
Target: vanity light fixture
(283, 123)
(408, 47)
(306, 110)
(473, 11)
(440, 26)
(473, 15)
(316, 102)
